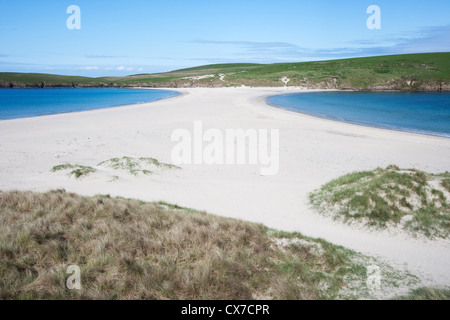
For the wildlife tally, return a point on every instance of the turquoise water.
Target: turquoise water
(427, 113)
(24, 103)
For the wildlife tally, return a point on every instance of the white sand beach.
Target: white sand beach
(312, 152)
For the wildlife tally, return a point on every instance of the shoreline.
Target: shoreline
(296, 89)
(387, 89)
(174, 95)
(446, 136)
(313, 151)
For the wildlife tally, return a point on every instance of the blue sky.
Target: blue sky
(146, 36)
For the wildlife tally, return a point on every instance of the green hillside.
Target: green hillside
(413, 72)
(42, 79)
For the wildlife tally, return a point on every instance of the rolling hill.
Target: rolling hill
(411, 72)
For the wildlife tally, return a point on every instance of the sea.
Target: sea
(419, 112)
(25, 103)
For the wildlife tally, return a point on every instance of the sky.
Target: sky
(147, 36)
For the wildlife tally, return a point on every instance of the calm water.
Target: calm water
(24, 103)
(427, 113)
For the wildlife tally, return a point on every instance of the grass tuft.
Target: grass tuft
(446, 184)
(385, 197)
(135, 166)
(77, 170)
(427, 294)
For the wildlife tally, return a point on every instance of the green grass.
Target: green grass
(427, 294)
(43, 79)
(410, 72)
(77, 170)
(130, 249)
(446, 184)
(388, 197)
(135, 166)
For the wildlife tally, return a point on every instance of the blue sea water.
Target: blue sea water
(24, 103)
(427, 113)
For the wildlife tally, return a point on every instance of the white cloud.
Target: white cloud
(431, 39)
(90, 68)
(123, 68)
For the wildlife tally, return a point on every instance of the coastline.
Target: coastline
(206, 86)
(173, 95)
(325, 117)
(265, 98)
(312, 151)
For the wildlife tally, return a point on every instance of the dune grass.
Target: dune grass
(427, 293)
(130, 249)
(446, 184)
(77, 170)
(385, 197)
(445, 180)
(135, 166)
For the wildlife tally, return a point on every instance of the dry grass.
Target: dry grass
(427, 293)
(128, 249)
